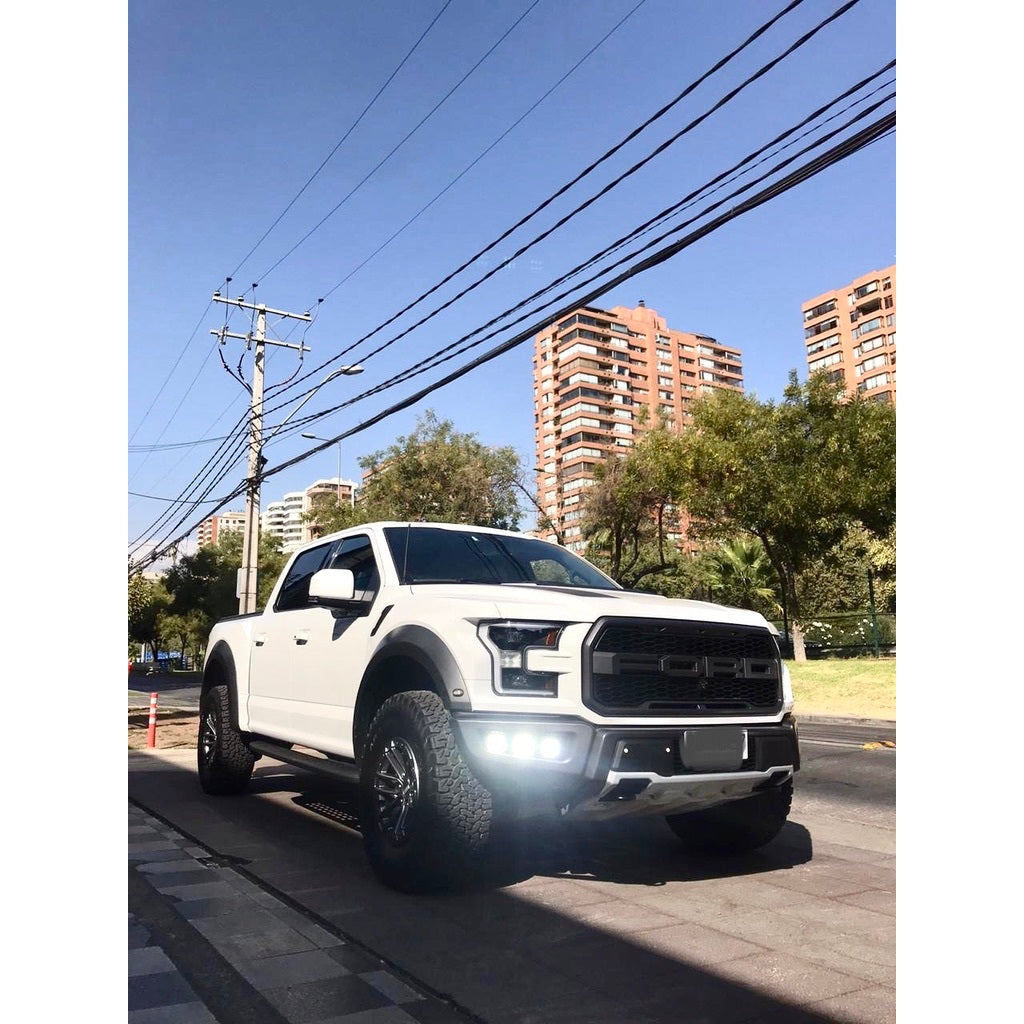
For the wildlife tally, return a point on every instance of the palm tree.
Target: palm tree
(739, 573)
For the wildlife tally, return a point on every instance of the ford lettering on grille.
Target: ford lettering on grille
(636, 667)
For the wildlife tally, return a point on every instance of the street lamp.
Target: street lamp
(345, 371)
(313, 437)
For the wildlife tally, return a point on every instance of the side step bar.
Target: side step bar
(344, 770)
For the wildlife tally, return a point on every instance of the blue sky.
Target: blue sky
(233, 107)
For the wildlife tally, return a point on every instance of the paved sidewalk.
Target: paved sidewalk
(206, 945)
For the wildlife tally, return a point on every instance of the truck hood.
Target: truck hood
(572, 604)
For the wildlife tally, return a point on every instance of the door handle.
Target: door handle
(260, 639)
(302, 636)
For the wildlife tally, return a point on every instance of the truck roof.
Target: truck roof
(381, 525)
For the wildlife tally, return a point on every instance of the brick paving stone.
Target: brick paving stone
(148, 960)
(322, 1000)
(171, 867)
(301, 968)
(292, 969)
(162, 989)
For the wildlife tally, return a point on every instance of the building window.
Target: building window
(825, 343)
(870, 325)
(829, 360)
(879, 380)
(826, 325)
(867, 346)
(871, 364)
(819, 310)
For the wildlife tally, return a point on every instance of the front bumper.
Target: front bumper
(596, 772)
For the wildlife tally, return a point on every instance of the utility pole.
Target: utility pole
(246, 586)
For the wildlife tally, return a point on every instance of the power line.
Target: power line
(799, 42)
(515, 124)
(458, 346)
(172, 446)
(435, 360)
(266, 233)
(721, 63)
(173, 501)
(316, 227)
(401, 64)
(160, 391)
(803, 40)
(842, 150)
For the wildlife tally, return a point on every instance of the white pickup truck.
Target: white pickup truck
(461, 676)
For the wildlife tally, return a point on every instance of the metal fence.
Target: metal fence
(847, 635)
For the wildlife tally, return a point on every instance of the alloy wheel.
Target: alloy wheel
(396, 788)
(208, 736)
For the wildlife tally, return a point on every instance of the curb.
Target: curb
(874, 723)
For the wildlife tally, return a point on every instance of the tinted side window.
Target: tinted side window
(356, 553)
(295, 592)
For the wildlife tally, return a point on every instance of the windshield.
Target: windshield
(427, 555)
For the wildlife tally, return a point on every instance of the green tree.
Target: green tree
(148, 602)
(797, 475)
(628, 512)
(435, 474)
(738, 572)
(186, 632)
(838, 580)
(206, 581)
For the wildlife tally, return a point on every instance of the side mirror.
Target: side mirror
(334, 588)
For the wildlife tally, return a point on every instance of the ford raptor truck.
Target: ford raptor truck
(463, 677)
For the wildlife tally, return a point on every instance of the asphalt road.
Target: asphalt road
(599, 923)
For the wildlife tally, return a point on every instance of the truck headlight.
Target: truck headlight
(509, 644)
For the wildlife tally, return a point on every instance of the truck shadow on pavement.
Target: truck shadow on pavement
(640, 851)
(549, 949)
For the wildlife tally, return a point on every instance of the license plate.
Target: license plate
(720, 749)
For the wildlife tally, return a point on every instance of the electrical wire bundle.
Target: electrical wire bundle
(855, 118)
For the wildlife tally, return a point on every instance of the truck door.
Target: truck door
(327, 655)
(328, 667)
(275, 641)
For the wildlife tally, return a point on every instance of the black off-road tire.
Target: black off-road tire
(424, 815)
(735, 827)
(225, 761)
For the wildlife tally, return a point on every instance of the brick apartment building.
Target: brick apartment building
(211, 530)
(593, 371)
(850, 333)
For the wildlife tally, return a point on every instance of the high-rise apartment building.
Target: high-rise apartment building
(851, 334)
(284, 518)
(210, 530)
(593, 372)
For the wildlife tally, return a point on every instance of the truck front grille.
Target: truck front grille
(665, 667)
